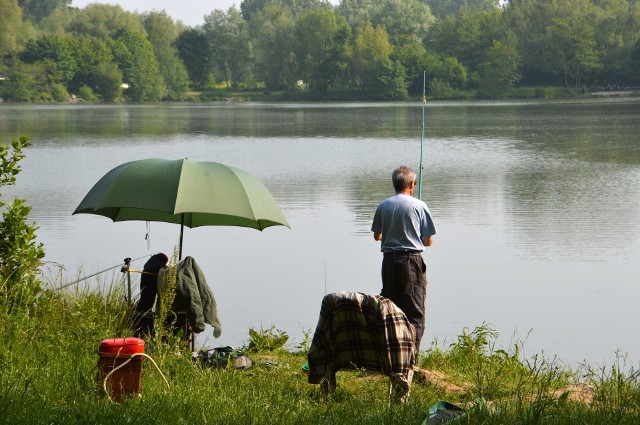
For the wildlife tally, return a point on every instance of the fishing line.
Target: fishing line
(95, 274)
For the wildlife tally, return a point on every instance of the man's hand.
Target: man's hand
(428, 241)
(377, 236)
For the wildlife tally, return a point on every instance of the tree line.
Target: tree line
(311, 49)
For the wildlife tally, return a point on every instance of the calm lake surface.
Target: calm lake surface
(537, 206)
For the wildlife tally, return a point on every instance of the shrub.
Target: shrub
(440, 89)
(59, 93)
(87, 94)
(20, 254)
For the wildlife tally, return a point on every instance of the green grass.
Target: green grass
(48, 375)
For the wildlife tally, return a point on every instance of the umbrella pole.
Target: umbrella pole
(181, 236)
(191, 340)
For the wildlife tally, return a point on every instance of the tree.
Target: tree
(320, 48)
(446, 8)
(95, 67)
(20, 83)
(162, 33)
(570, 46)
(20, 254)
(466, 37)
(55, 56)
(10, 25)
(370, 61)
(413, 56)
(36, 10)
(617, 29)
(635, 62)
(108, 81)
(229, 44)
(135, 57)
(356, 12)
(104, 21)
(500, 71)
(193, 50)
(249, 8)
(401, 18)
(274, 41)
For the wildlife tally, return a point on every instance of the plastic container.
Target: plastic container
(125, 381)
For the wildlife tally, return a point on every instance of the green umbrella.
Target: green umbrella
(186, 192)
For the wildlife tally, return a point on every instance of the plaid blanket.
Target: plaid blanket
(357, 330)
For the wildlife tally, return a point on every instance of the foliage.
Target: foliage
(310, 49)
(10, 24)
(166, 296)
(635, 61)
(303, 346)
(104, 21)
(134, 55)
(162, 33)
(49, 356)
(440, 89)
(20, 254)
(571, 47)
(320, 48)
(93, 60)
(22, 84)
(501, 70)
(59, 93)
(273, 32)
(192, 48)
(54, 55)
(401, 18)
(36, 10)
(268, 340)
(445, 8)
(85, 93)
(228, 44)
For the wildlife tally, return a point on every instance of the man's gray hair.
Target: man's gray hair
(402, 178)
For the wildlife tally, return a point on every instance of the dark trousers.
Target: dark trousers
(404, 281)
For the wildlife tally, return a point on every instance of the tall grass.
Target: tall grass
(48, 375)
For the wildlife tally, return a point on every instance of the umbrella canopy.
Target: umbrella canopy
(186, 192)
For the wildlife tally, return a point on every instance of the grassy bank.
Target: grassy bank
(48, 358)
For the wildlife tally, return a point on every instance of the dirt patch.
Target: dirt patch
(438, 379)
(582, 393)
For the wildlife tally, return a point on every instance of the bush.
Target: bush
(59, 93)
(20, 254)
(439, 88)
(87, 94)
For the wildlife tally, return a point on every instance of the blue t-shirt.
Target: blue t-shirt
(404, 222)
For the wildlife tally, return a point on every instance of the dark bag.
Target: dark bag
(220, 357)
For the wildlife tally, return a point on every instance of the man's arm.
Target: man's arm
(428, 241)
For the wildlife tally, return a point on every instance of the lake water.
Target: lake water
(537, 206)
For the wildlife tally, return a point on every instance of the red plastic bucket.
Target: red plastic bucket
(124, 381)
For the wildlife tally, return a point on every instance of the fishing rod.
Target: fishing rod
(121, 265)
(424, 103)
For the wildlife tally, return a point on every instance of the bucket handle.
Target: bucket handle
(106, 378)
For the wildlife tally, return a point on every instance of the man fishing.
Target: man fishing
(404, 225)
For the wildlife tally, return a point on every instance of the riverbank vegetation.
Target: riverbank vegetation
(49, 339)
(313, 50)
(49, 359)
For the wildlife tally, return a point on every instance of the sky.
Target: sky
(190, 12)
